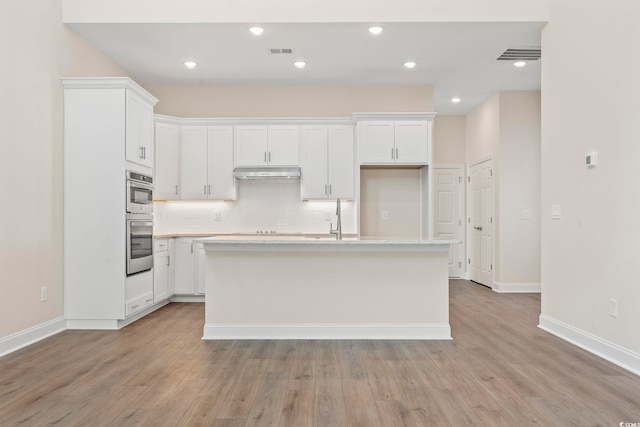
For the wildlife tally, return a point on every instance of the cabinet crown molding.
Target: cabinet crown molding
(394, 116)
(229, 121)
(108, 83)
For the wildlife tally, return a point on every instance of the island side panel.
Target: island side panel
(315, 294)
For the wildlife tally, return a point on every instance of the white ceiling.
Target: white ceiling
(458, 59)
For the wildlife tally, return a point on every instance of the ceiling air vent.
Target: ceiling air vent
(521, 54)
(279, 51)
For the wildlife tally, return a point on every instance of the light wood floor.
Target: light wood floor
(500, 370)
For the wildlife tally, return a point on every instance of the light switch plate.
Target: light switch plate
(556, 211)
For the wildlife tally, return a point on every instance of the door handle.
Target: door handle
(478, 228)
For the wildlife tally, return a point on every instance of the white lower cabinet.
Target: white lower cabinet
(163, 272)
(189, 267)
(138, 292)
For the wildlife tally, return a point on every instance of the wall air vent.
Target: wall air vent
(280, 51)
(521, 54)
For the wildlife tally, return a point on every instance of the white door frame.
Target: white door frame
(463, 211)
(467, 211)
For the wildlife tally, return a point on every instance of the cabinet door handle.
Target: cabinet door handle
(391, 152)
(330, 192)
(141, 152)
(325, 189)
(205, 189)
(209, 189)
(265, 157)
(269, 156)
(176, 189)
(396, 154)
(144, 152)
(168, 260)
(191, 247)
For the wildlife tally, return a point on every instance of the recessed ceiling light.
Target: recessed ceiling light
(410, 64)
(256, 31)
(519, 64)
(376, 29)
(300, 64)
(190, 64)
(456, 100)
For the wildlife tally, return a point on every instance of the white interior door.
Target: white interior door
(448, 213)
(481, 223)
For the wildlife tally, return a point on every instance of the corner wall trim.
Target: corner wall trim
(21, 339)
(614, 353)
(334, 331)
(517, 287)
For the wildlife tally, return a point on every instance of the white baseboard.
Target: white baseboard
(614, 353)
(112, 324)
(329, 331)
(187, 298)
(516, 287)
(21, 339)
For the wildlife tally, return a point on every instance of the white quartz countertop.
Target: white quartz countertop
(321, 243)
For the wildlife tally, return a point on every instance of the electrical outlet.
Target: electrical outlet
(216, 216)
(613, 308)
(384, 215)
(43, 294)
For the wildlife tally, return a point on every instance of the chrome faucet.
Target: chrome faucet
(338, 230)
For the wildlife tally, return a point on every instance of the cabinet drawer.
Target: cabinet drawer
(160, 245)
(138, 304)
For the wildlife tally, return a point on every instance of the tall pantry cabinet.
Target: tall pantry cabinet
(108, 129)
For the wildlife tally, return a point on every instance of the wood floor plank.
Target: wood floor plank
(329, 404)
(360, 406)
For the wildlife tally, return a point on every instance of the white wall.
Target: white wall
(592, 254)
(396, 191)
(449, 139)
(305, 11)
(37, 51)
(261, 205)
(289, 101)
(518, 259)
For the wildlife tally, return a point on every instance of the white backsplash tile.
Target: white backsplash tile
(261, 205)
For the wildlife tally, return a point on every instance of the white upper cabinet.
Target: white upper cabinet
(220, 163)
(327, 162)
(139, 131)
(251, 145)
(283, 145)
(166, 175)
(411, 142)
(341, 162)
(195, 175)
(399, 142)
(379, 142)
(274, 145)
(207, 163)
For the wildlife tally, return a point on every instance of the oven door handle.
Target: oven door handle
(136, 223)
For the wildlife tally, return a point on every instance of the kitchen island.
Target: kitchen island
(306, 288)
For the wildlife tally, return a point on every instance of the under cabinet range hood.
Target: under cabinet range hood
(251, 172)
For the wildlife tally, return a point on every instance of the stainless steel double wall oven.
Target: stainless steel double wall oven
(139, 223)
